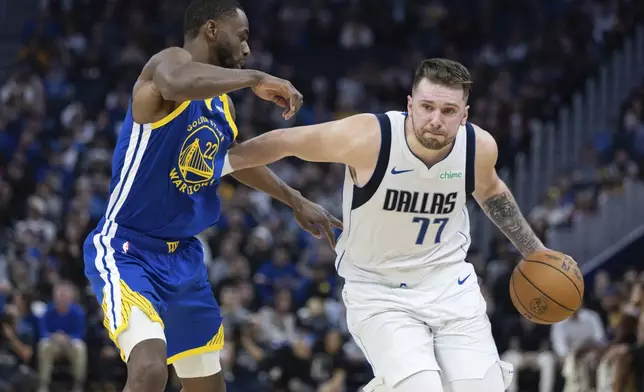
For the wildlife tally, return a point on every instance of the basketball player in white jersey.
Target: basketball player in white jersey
(413, 304)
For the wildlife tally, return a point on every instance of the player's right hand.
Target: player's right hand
(281, 92)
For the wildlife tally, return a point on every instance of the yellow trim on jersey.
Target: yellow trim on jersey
(208, 103)
(165, 120)
(129, 298)
(229, 116)
(214, 344)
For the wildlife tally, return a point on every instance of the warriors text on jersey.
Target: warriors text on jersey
(408, 216)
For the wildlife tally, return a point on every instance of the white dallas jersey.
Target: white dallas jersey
(408, 217)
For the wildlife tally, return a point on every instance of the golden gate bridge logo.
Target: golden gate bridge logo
(197, 156)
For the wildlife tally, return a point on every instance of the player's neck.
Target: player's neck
(197, 49)
(427, 156)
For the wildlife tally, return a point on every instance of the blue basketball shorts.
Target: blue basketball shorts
(168, 281)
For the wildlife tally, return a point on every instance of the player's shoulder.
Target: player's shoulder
(373, 121)
(485, 143)
(486, 147)
(173, 53)
(359, 133)
(396, 114)
(357, 122)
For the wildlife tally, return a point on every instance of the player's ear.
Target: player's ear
(409, 101)
(467, 113)
(210, 28)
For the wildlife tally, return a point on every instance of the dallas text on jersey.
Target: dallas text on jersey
(414, 202)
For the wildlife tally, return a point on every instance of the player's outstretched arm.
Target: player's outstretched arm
(178, 78)
(354, 141)
(310, 216)
(172, 75)
(496, 199)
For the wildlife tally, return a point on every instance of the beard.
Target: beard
(223, 53)
(431, 143)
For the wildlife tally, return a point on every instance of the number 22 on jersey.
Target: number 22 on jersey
(424, 224)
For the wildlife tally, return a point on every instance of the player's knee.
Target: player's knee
(147, 376)
(147, 369)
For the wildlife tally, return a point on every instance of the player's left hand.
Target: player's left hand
(315, 219)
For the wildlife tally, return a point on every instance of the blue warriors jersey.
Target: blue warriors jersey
(143, 252)
(165, 174)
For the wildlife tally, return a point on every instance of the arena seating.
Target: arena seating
(68, 90)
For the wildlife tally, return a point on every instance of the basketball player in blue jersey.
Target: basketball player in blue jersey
(142, 260)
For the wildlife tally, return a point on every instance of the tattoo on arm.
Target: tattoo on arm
(503, 210)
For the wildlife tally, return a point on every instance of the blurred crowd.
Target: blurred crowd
(61, 111)
(600, 348)
(609, 160)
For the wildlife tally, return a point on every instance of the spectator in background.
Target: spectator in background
(247, 354)
(611, 307)
(277, 321)
(614, 370)
(105, 364)
(230, 302)
(35, 235)
(290, 366)
(529, 348)
(593, 298)
(637, 352)
(621, 362)
(577, 342)
(62, 333)
(553, 210)
(15, 354)
(5, 284)
(28, 322)
(276, 273)
(329, 364)
(24, 91)
(320, 284)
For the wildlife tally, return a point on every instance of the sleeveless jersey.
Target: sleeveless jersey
(408, 216)
(165, 174)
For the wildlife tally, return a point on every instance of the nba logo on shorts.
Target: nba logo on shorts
(126, 246)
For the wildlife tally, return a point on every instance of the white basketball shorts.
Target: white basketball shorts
(439, 324)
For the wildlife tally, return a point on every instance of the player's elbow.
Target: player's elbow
(275, 145)
(302, 142)
(286, 143)
(262, 150)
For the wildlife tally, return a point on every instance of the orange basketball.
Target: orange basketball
(547, 287)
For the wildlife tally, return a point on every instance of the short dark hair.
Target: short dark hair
(446, 73)
(201, 11)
